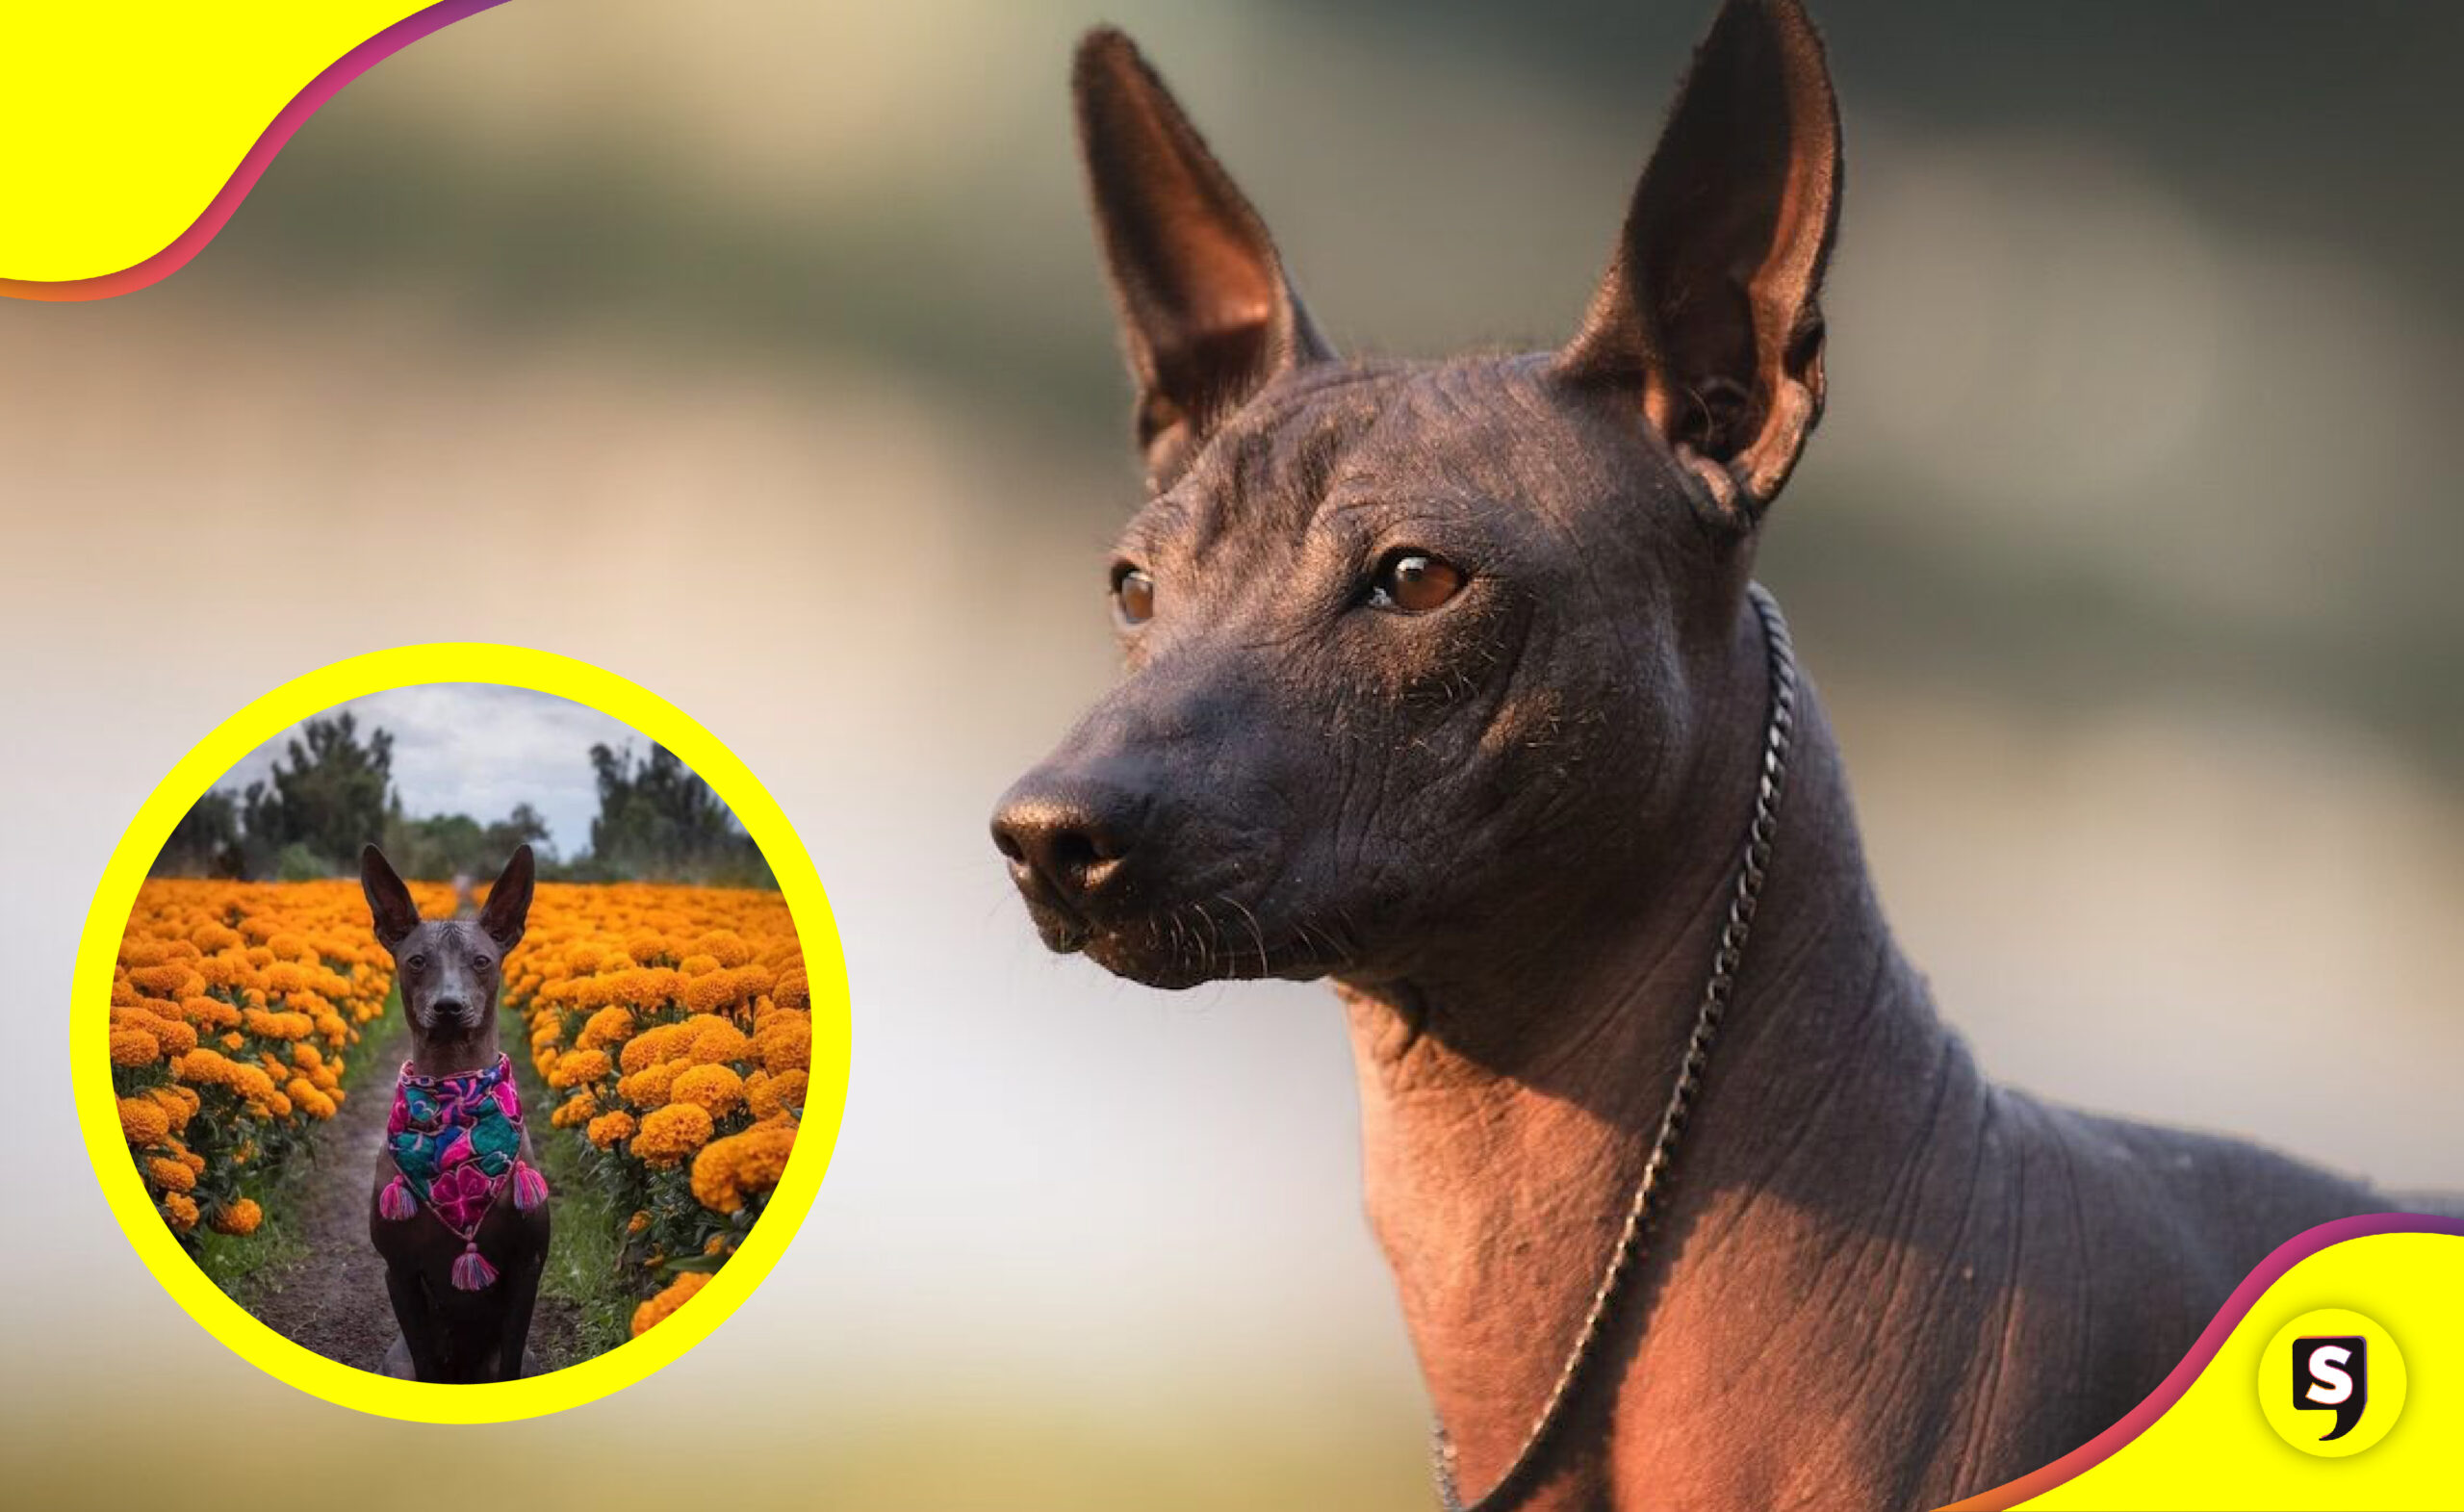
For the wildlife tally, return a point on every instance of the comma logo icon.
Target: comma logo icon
(2332, 1370)
(2331, 1382)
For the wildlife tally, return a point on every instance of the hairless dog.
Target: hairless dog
(458, 1209)
(1447, 682)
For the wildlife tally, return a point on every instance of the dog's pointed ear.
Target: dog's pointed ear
(508, 907)
(389, 903)
(1710, 310)
(1207, 314)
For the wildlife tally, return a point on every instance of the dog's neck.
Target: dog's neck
(1507, 1121)
(444, 1056)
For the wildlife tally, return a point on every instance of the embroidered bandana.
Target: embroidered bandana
(457, 1141)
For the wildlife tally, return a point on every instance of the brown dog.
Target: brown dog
(1447, 681)
(458, 1211)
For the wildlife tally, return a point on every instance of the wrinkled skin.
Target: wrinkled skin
(1335, 784)
(1505, 822)
(450, 973)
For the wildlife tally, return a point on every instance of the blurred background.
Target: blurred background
(757, 353)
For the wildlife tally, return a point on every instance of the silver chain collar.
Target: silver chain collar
(1753, 865)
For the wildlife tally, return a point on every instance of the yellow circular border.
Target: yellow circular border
(98, 1105)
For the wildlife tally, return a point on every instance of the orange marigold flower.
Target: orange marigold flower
(159, 1020)
(212, 937)
(610, 1026)
(241, 1218)
(179, 1212)
(711, 992)
(610, 1128)
(639, 1221)
(576, 1067)
(134, 1047)
(277, 1026)
(670, 1134)
(791, 990)
(658, 1309)
(170, 1174)
(178, 1103)
(698, 965)
(580, 1107)
(786, 1042)
(648, 1087)
(729, 1170)
(717, 1040)
(163, 981)
(653, 1045)
(769, 1094)
(142, 1121)
(726, 945)
(714, 1088)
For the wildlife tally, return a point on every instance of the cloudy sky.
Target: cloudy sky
(479, 749)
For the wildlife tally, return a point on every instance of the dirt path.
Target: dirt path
(333, 1300)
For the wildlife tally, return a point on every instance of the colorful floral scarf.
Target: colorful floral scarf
(457, 1141)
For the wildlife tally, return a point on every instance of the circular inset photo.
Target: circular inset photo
(460, 1033)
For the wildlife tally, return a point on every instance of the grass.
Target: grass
(229, 1261)
(586, 1244)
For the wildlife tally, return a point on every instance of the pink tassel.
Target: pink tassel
(530, 1187)
(396, 1201)
(472, 1271)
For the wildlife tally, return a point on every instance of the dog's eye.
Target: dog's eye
(1414, 581)
(1133, 594)
(479, 962)
(415, 962)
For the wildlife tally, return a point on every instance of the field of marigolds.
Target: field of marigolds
(668, 1027)
(236, 1007)
(674, 1028)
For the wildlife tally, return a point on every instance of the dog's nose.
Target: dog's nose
(447, 1007)
(1071, 837)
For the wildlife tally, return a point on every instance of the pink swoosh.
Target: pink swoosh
(306, 103)
(2136, 1421)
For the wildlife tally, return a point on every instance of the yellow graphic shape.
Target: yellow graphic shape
(2219, 1447)
(121, 123)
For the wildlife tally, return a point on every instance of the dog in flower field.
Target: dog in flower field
(458, 1209)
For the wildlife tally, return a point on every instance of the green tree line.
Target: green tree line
(332, 791)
